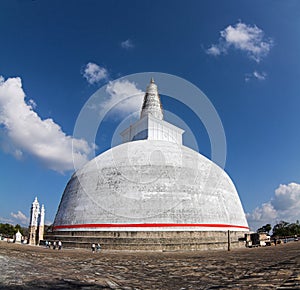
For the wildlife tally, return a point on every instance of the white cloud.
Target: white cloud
(287, 200)
(260, 76)
(4, 220)
(243, 37)
(127, 44)
(32, 103)
(214, 50)
(262, 215)
(94, 73)
(124, 97)
(20, 217)
(284, 205)
(23, 131)
(256, 75)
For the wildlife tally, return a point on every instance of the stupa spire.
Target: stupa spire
(152, 104)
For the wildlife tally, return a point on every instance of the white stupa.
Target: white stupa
(151, 186)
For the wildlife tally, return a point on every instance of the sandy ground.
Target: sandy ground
(28, 267)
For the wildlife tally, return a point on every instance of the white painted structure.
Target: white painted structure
(151, 128)
(152, 104)
(41, 223)
(151, 125)
(36, 224)
(18, 237)
(151, 182)
(35, 212)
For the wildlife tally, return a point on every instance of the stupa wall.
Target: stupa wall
(151, 241)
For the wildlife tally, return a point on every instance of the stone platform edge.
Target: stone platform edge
(150, 240)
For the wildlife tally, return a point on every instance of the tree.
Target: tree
(294, 228)
(284, 229)
(7, 230)
(265, 229)
(48, 228)
(281, 229)
(19, 228)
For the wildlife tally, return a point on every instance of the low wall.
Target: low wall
(149, 241)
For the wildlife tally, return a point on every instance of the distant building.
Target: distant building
(18, 237)
(36, 225)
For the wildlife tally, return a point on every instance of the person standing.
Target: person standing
(93, 248)
(59, 245)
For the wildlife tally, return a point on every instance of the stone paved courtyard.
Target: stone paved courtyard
(28, 267)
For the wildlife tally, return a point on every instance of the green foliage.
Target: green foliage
(265, 229)
(48, 229)
(8, 230)
(19, 228)
(285, 229)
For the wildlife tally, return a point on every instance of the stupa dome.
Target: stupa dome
(151, 182)
(150, 185)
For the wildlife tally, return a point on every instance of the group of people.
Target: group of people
(96, 247)
(56, 244)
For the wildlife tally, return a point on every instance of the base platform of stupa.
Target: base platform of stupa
(151, 240)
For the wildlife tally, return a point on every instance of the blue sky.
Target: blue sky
(243, 55)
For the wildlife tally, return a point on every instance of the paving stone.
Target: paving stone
(27, 267)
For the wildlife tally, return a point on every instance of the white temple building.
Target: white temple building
(151, 190)
(37, 223)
